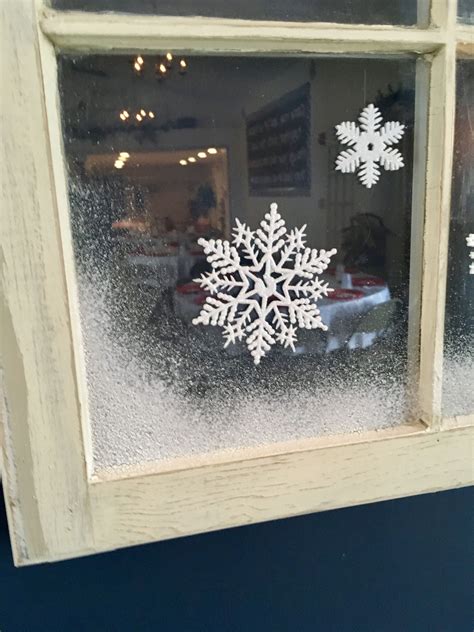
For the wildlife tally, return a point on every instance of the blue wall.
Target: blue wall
(402, 565)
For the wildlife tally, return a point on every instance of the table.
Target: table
(162, 271)
(340, 316)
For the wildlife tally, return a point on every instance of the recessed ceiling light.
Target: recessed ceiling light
(191, 159)
(183, 162)
(137, 66)
(202, 154)
(140, 60)
(138, 117)
(118, 164)
(151, 115)
(169, 56)
(124, 155)
(142, 112)
(212, 150)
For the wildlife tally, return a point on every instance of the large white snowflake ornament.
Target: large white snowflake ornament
(263, 285)
(470, 244)
(370, 144)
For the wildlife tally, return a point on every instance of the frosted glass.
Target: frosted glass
(345, 11)
(258, 130)
(458, 370)
(466, 11)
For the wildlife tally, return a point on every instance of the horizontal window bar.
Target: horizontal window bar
(121, 32)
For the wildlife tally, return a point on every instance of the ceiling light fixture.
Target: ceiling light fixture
(202, 154)
(212, 150)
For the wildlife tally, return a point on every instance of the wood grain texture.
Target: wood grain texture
(168, 505)
(46, 487)
(441, 111)
(76, 30)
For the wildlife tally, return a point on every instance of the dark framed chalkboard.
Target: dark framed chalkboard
(278, 146)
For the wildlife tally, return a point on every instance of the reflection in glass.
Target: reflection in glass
(458, 372)
(466, 11)
(226, 139)
(345, 11)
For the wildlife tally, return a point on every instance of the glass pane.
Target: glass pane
(459, 328)
(348, 11)
(466, 11)
(157, 163)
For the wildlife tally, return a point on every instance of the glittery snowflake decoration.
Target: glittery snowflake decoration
(369, 146)
(263, 285)
(470, 244)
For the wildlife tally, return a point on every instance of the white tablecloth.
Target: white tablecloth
(162, 271)
(342, 316)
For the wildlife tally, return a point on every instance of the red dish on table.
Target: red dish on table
(189, 288)
(367, 281)
(340, 294)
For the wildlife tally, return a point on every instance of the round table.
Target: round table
(340, 316)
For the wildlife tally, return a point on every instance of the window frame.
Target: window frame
(57, 507)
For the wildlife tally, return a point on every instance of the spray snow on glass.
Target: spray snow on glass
(369, 146)
(263, 293)
(470, 244)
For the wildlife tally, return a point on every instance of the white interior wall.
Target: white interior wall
(220, 93)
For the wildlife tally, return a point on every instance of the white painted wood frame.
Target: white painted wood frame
(56, 507)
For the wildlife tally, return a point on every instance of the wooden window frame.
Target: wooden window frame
(57, 507)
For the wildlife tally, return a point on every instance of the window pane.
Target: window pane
(348, 11)
(157, 163)
(466, 11)
(459, 335)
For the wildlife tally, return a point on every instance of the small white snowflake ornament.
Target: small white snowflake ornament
(470, 244)
(263, 285)
(370, 145)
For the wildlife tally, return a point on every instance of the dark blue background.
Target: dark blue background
(403, 565)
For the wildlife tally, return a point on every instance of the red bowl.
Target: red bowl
(340, 294)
